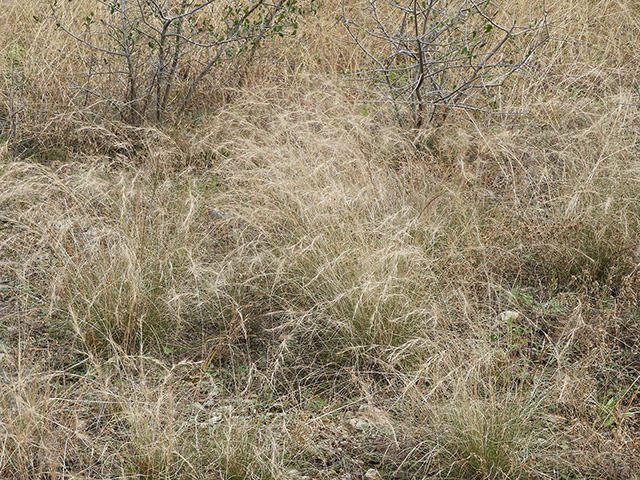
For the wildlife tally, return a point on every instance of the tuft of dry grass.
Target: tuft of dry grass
(117, 260)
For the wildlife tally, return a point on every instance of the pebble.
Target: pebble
(372, 474)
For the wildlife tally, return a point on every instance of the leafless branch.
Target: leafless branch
(432, 56)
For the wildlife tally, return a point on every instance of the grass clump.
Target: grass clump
(126, 255)
(495, 438)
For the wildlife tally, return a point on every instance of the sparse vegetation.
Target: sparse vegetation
(139, 51)
(286, 283)
(428, 58)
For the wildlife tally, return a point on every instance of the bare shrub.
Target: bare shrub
(432, 56)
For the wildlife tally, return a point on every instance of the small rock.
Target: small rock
(215, 417)
(294, 474)
(509, 315)
(372, 474)
(216, 213)
(369, 418)
(359, 423)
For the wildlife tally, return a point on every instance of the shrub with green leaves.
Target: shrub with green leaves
(144, 57)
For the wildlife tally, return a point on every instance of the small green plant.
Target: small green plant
(523, 297)
(606, 410)
(511, 335)
(611, 406)
(526, 299)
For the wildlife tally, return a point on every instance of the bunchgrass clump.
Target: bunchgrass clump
(121, 259)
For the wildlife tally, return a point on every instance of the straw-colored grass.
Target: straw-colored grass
(283, 283)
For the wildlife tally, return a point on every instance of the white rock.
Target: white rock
(372, 474)
(217, 213)
(509, 315)
(215, 417)
(359, 423)
(292, 473)
(368, 417)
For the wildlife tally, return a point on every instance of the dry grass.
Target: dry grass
(284, 284)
